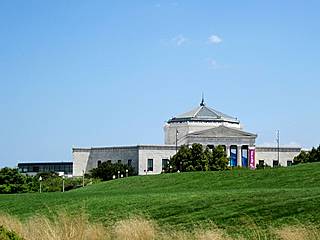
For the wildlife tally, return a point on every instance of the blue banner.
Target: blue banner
(233, 157)
(244, 157)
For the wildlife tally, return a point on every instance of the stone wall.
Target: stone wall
(269, 154)
(85, 159)
(80, 159)
(88, 159)
(157, 153)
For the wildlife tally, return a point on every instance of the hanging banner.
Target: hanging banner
(244, 157)
(233, 156)
(252, 153)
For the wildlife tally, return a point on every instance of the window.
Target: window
(56, 168)
(289, 163)
(261, 163)
(99, 163)
(150, 165)
(165, 163)
(275, 163)
(129, 162)
(35, 169)
(119, 161)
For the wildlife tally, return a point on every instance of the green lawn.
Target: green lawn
(230, 199)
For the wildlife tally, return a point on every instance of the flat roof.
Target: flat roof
(142, 146)
(45, 163)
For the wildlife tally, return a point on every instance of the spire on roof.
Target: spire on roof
(202, 101)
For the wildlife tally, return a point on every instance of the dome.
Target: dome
(204, 114)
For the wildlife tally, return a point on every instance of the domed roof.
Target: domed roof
(203, 114)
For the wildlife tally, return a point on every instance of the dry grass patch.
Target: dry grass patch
(11, 223)
(62, 227)
(215, 234)
(298, 232)
(135, 229)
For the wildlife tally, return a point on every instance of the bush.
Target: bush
(11, 181)
(8, 235)
(107, 170)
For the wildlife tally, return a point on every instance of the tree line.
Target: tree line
(308, 156)
(12, 181)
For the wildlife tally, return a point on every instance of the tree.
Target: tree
(181, 160)
(198, 158)
(11, 181)
(106, 170)
(305, 157)
(219, 160)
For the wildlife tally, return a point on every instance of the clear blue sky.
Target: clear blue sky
(98, 73)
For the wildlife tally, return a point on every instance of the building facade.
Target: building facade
(63, 168)
(203, 125)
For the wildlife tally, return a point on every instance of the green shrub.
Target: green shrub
(107, 170)
(8, 235)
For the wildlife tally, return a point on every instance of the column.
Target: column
(239, 156)
(228, 154)
(228, 150)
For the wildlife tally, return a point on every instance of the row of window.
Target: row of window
(165, 163)
(275, 163)
(47, 168)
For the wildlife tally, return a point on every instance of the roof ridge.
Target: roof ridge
(199, 108)
(222, 126)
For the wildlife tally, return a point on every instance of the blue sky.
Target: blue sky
(98, 73)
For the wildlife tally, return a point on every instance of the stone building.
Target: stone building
(203, 125)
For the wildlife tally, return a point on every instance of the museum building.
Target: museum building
(203, 125)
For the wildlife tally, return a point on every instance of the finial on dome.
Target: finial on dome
(202, 101)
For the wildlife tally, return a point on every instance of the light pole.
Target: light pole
(118, 174)
(82, 178)
(278, 145)
(62, 183)
(40, 179)
(127, 172)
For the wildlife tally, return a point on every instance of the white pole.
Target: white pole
(40, 179)
(63, 183)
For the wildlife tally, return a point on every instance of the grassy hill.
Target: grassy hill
(231, 199)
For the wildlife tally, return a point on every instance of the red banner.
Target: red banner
(252, 153)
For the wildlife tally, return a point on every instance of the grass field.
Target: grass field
(233, 200)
